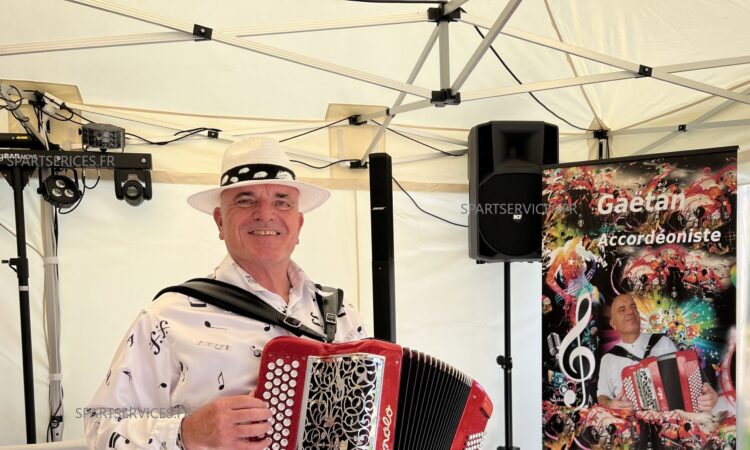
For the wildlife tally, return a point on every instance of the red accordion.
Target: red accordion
(368, 395)
(664, 383)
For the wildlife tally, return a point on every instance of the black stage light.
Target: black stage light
(60, 191)
(133, 186)
(102, 136)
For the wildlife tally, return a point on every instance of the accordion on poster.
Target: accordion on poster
(368, 394)
(664, 383)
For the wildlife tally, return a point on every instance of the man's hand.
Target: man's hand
(708, 399)
(236, 422)
(618, 402)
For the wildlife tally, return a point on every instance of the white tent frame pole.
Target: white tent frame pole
(690, 127)
(452, 6)
(445, 55)
(267, 50)
(436, 33)
(547, 85)
(227, 135)
(481, 49)
(707, 64)
(176, 36)
(427, 156)
(658, 74)
(436, 137)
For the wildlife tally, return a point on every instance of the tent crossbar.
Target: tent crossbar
(87, 43)
(547, 85)
(555, 44)
(258, 48)
(420, 104)
(427, 156)
(311, 155)
(687, 127)
(401, 96)
(452, 6)
(176, 36)
(708, 64)
(483, 46)
(336, 24)
(432, 136)
(699, 86)
(612, 61)
(129, 117)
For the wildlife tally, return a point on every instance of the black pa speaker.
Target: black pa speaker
(505, 189)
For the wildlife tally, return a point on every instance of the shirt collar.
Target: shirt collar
(231, 272)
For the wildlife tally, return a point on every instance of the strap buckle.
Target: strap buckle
(292, 321)
(331, 318)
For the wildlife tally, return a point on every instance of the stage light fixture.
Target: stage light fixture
(102, 136)
(60, 191)
(133, 186)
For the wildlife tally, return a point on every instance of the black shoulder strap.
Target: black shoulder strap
(651, 342)
(329, 305)
(242, 302)
(619, 351)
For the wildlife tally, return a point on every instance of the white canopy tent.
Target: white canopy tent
(287, 67)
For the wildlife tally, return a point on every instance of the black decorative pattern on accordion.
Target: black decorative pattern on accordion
(342, 402)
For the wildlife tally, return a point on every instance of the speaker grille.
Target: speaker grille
(510, 213)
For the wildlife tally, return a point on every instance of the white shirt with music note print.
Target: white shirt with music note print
(181, 353)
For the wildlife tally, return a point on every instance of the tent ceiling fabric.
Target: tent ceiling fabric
(184, 77)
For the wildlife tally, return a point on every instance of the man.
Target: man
(184, 374)
(626, 320)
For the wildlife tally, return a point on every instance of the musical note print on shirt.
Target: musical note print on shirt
(220, 379)
(257, 352)
(268, 327)
(208, 325)
(163, 385)
(131, 340)
(316, 319)
(130, 375)
(114, 437)
(158, 336)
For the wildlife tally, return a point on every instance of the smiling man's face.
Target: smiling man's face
(626, 319)
(260, 224)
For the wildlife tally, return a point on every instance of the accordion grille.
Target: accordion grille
(432, 398)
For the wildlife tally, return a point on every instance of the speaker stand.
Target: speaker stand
(506, 362)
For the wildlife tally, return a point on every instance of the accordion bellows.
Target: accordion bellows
(368, 394)
(664, 383)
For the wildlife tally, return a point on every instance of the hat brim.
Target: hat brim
(310, 196)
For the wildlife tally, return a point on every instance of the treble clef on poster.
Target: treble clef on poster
(580, 360)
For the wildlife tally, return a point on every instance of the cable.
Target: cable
(185, 134)
(420, 208)
(322, 167)
(316, 129)
(3, 226)
(9, 101)
(423, 143)
(530, 93)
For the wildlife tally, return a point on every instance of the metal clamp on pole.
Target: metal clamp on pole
(445, 97)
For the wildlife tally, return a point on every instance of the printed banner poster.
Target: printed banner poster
(638, 303)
